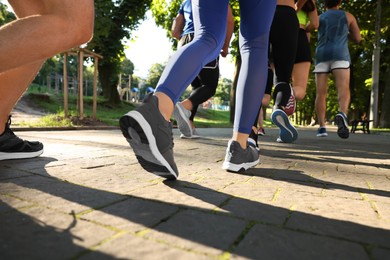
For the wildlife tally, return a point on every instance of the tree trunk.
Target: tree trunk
(385, 111)
(108, 77)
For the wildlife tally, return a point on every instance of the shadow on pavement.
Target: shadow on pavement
(243, 227)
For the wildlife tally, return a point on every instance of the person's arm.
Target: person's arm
(229, 33)
(177, 26)
(314, 21)
(354, 30)
(299, 4)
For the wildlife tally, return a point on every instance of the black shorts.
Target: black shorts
(303, 50)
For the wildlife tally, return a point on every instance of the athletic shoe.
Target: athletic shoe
(341, 121)
(150, 136)
(278, 140)
(287, 131)
(182, 117)
(252, 140)
(12, 147)
(291, 104)
(238, 159)
(194, 135)
(261, 131)
(321, 132)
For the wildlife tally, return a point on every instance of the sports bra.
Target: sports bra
(302, 17)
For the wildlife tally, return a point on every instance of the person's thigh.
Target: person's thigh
(341, 77)
(321, 84)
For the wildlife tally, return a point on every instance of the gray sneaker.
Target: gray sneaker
(238, 159)
(150, 136)
(341, 121)
(182, 117)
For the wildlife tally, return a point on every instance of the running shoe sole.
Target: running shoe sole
(183, 123)
(182, 136)
(139, 135)
(15, 156)
(231, 167)
(288, 133)
(343, 130)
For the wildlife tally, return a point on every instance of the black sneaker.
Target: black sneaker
(341, 121)
(238, 159)
(252, 140)
(12, 147)
(150, 136)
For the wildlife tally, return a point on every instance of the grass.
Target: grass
(106, 113)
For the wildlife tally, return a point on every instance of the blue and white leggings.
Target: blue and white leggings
(210, 19)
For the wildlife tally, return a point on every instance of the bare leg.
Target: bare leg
(43, 28)
(321, 92)
(60, 25)
(300, 77)
(342, 84)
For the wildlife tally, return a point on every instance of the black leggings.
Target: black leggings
(203, 88)
(283, 42)
(283, 48)
(205, 84)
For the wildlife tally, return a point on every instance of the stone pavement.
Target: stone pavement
(86, 197)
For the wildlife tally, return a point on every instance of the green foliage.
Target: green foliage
(115, 20)
(154, 74)
(5, 15)
(223, 90)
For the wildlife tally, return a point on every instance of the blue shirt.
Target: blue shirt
(186, 11)
(333, 37)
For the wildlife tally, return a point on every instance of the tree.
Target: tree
(115, 20)
(5, 15)
(154, 74)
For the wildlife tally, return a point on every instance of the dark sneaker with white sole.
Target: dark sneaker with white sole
(238, 159)
(182, 117)
(150, 136)
(342, 125)
(287, 131)
(13, 147)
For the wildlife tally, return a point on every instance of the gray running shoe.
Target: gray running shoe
(182, 117)
(12, 147)
(150, 136)
(287, 133)
(193, 136)
(341, 121)
(238, 159)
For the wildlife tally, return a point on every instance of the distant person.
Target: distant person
(148, 128)
(42, 29)
(205, 84)
(332, 56)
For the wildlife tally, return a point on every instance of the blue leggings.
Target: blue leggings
(210, 18)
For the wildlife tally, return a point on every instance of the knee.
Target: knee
(299, 94)
(82, 29)
(78, 24)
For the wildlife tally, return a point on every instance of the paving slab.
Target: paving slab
(87, 197)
